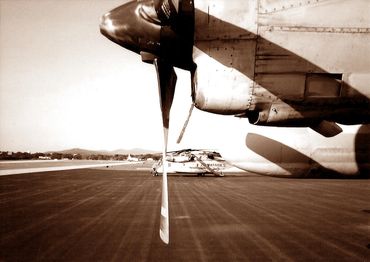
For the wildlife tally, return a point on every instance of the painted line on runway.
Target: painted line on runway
(29, 161)
(57, 168)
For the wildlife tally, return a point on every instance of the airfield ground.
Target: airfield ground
(112, 214)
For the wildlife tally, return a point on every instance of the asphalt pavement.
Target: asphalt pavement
(112, 214)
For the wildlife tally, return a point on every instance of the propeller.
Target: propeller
(193, 73)
(166, 77)
(162, 32)
(185, 124)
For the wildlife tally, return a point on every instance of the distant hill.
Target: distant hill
(133, 151)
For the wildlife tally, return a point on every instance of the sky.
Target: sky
(64, 85)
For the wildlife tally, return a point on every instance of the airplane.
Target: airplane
(191, 161)
(298, 71)
(132, 159)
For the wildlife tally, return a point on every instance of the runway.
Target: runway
(34, 166)
(112, 214)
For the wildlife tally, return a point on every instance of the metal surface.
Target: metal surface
(258, 56)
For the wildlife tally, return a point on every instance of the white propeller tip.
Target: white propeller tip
(164, 236)
(164, 231)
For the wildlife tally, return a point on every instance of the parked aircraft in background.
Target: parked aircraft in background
(190, 161)
(132, 159)
(282, 63)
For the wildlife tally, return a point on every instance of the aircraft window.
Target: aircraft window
(323, 85)
(148, 12)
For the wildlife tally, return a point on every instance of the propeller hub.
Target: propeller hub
(164, 28)
(131, 26)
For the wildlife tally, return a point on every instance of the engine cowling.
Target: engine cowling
(219, 89)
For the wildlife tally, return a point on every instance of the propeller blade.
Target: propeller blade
(193, 73)
(185, 124)
(167, 78)
(164, 228)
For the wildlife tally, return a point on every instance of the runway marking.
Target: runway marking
(56, 168)
(27, 161)
(182, 217)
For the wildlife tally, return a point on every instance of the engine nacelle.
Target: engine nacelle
(279, 113)
(219, 89)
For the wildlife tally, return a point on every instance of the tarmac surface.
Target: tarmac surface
(34, 166)
(112, 214)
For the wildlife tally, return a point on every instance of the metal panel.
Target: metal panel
(312, 51)
(223, 87)
(225, 41)
(241, 14)
(323, 85)
(315, 13)
(274, 58)
(292, 86)
(330, 35)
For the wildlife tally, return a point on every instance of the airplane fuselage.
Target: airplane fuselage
(284, 63)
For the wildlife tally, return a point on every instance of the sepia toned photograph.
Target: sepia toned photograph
(184, 130)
